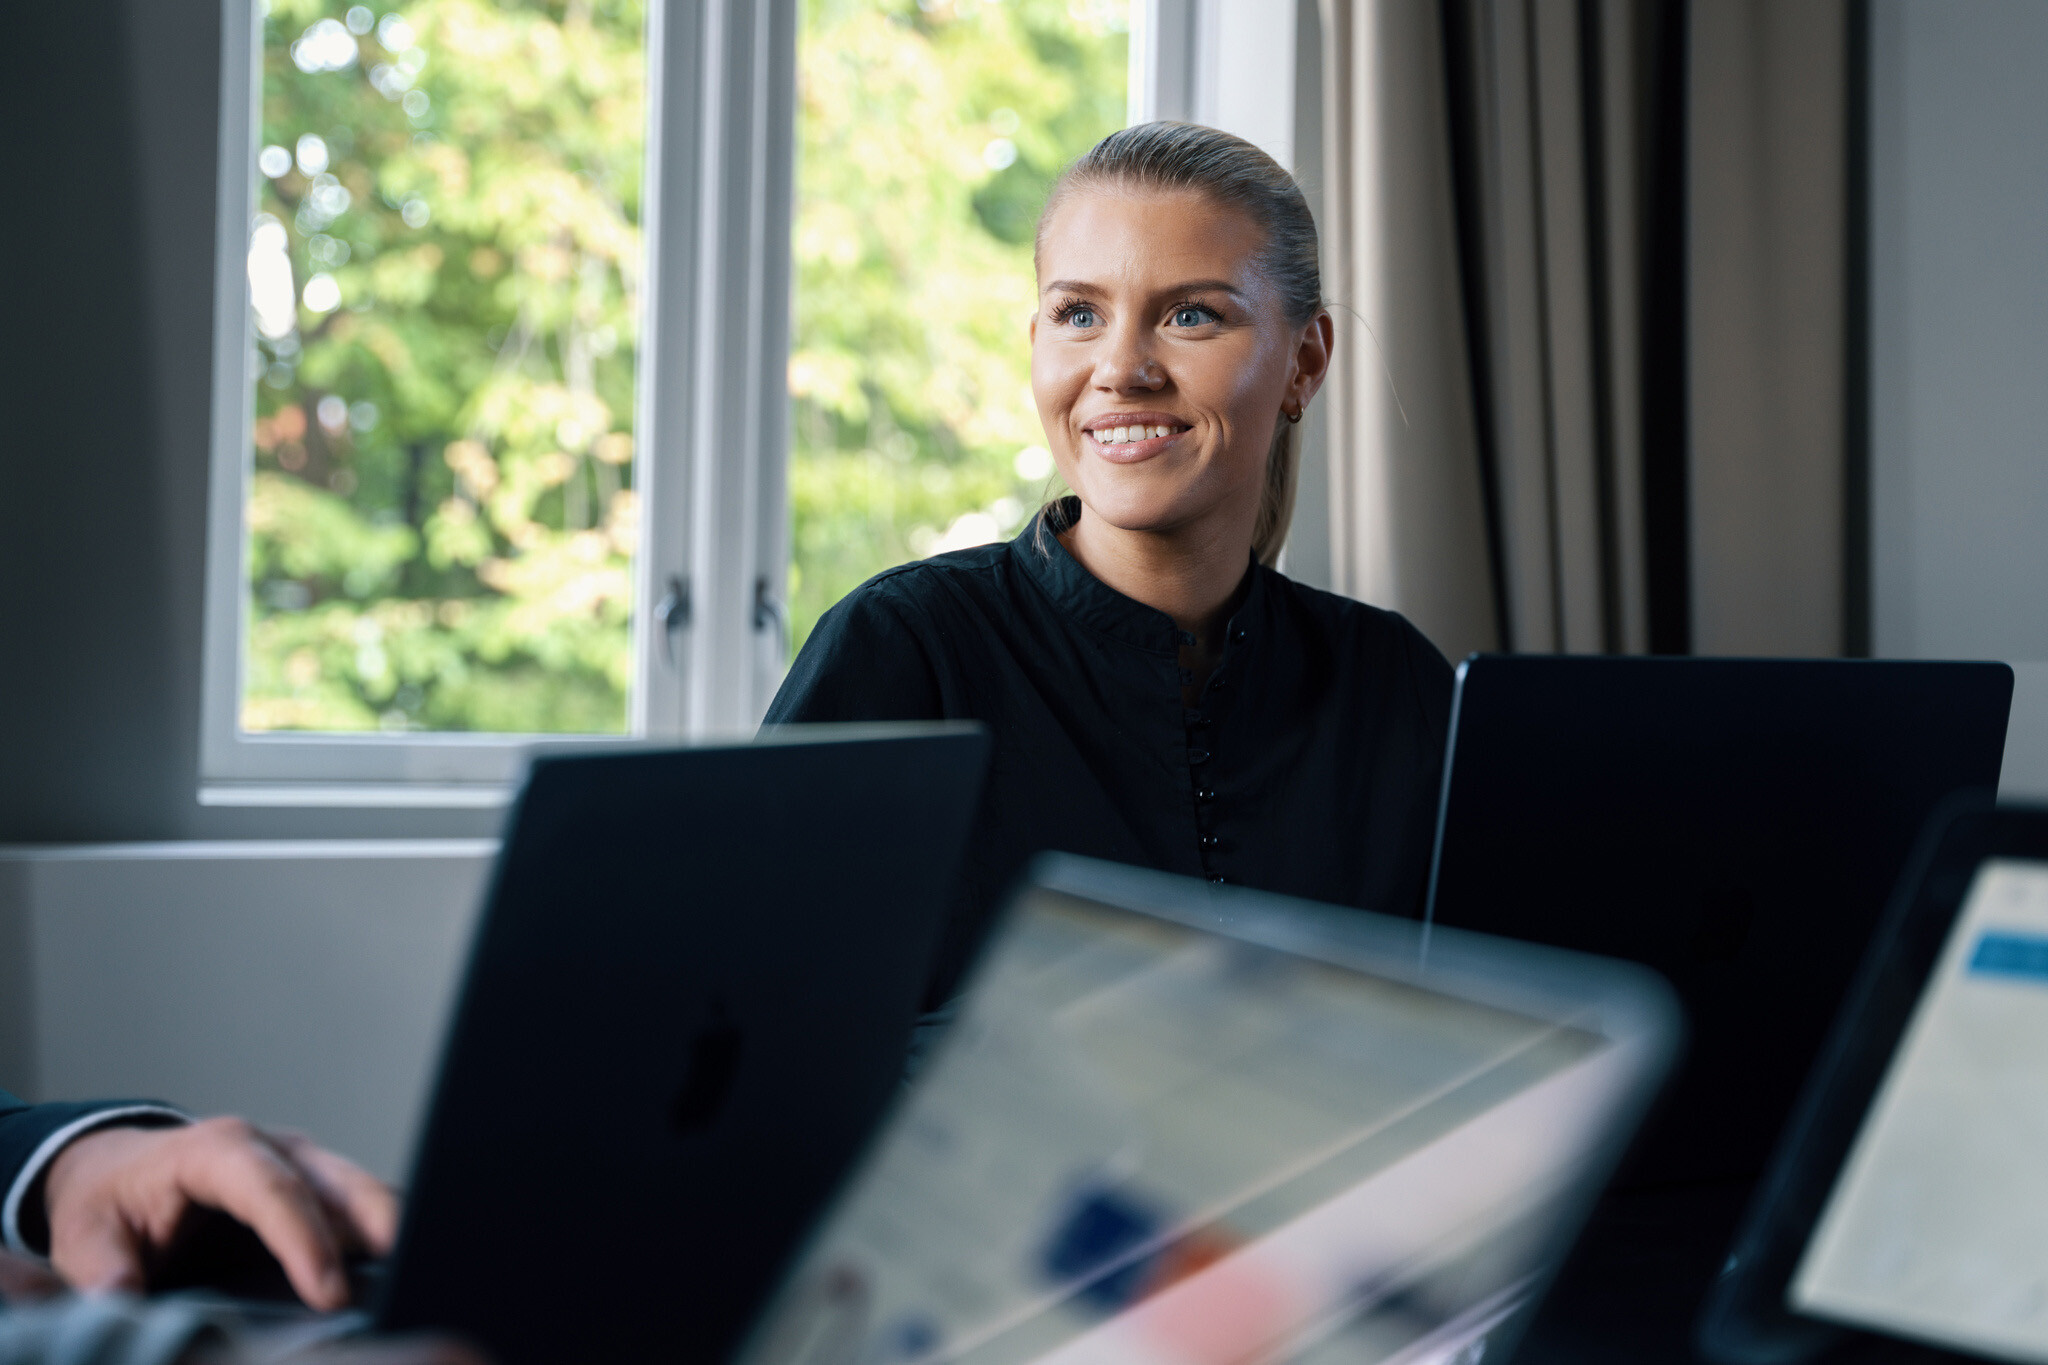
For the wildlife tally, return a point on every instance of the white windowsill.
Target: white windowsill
(444, 795)
(242, 850)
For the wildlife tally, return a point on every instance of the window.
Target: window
(514, 443)
(499, 413)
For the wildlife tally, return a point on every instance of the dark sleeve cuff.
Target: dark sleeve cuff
(31, 1135)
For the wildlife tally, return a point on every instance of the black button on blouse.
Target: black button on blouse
(1313, 773)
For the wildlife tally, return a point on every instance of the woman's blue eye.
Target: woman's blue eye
(1082, 317)
(1190, 317)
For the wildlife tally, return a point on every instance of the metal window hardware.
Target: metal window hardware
(769, 611)
(672, 614)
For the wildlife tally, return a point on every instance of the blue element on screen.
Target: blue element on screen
(913, 1337)
(1100, 1227)
(2009, 954)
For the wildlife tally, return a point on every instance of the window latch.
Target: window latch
(672, 613)
(769, 612)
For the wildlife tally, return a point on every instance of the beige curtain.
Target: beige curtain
(1408, 520)
(1578, 407)
(1553, 301)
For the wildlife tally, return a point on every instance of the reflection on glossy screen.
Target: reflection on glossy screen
(1938, 1224)
(1142, 1142)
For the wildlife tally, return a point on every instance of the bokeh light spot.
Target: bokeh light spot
(322, 294)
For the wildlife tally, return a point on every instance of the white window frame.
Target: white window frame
(712, 416)
(1226, 63)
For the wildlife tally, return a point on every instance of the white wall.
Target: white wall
(1959, 318)
(301, 984)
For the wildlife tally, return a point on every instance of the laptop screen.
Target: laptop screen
(1934, 1228)
(1145, 1141)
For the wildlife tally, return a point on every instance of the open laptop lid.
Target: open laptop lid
(1738, 825)
(1182, 1123)
(686, 1006)
(1907, 1199)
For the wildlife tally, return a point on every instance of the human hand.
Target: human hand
(116, 1197)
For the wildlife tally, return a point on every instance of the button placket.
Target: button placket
(1201, 752)
(1199, 734)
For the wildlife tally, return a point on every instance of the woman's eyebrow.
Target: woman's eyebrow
(1208, 287)
(1190, 287)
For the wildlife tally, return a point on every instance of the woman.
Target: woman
(1158, 694)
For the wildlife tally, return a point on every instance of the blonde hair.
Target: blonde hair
(1187, 156)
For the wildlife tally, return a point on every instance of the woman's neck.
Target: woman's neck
(1191, 573)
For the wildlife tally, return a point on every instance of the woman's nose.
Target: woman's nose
(1127, 365)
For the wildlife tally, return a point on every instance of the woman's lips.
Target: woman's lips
(1132, 451)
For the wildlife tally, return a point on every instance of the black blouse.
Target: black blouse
(1310, 767)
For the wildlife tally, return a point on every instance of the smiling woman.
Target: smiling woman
(1199, 194)
(1159, 694)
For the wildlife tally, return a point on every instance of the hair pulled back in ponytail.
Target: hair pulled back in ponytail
(1228, 171)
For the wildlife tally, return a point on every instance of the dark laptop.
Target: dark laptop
(1903, 1216)
(1737, 825)
(687, 1004)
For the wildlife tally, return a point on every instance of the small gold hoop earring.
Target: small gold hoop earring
(1293, 417)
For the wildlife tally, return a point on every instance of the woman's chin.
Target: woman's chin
(1141, 509)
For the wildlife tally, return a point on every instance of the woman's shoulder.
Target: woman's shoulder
(1359, 635)
(924, 595)
(1348, 621)
(882, 650)
(924, 581)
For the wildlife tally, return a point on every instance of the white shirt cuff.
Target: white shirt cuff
(46, 1152)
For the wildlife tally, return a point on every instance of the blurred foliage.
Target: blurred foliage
(441, 519)
(445, 270)
(928, 135)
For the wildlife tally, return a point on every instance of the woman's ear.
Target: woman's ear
(1311, 360)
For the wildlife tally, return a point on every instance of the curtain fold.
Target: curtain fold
(1406, 499)
(1550, 178)
(1591, 397)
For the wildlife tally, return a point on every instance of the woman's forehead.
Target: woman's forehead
(1115, 237)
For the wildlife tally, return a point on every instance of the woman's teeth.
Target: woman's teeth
(1116, 436)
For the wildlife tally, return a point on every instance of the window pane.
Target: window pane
(444, 278)
(928, 134)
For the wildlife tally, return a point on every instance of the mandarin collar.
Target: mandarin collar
(1093, 603)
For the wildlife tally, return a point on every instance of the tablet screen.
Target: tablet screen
(1937, 1227)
